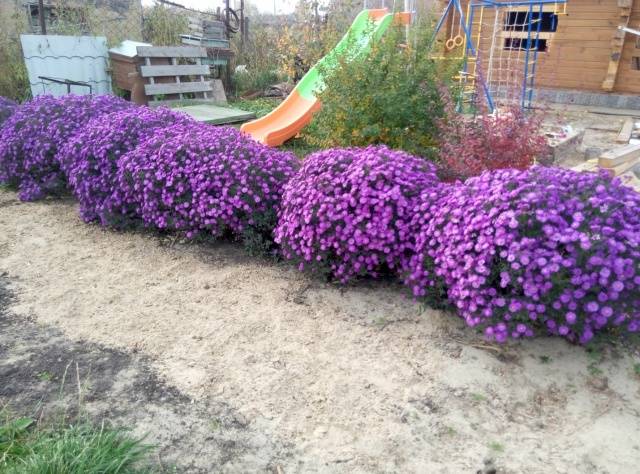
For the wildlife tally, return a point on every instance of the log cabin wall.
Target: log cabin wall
(581, 54)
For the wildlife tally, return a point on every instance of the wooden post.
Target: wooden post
(43, 25)
(625, 8)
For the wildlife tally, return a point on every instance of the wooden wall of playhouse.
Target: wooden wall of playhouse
(587, 51)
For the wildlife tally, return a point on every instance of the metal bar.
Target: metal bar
(535, 61)
(442, 20)
(490, 3)
(526, 57)
(43, 26)
(67, 82)
(629, 30)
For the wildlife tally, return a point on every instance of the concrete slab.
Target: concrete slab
(216, 115)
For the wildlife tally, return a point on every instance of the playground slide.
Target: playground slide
(295, 112)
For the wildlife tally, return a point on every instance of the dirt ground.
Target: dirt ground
(232, 364)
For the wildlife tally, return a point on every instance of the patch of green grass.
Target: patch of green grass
(450, 431)
(594, 369)
(545, 359)
(496, 447)
(380, 321)
(26, 448)
(478, 397)
(13, 436)
(260, 106)
(215, 425)
(45, 376)
(299, 147)
(636, 369)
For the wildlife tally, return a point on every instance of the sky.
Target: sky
(265, 6)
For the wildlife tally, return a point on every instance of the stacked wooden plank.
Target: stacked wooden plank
(620, 160)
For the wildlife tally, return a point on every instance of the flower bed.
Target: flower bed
(90, 158)
(205, 180)
(347, 212)
(30, 139)
(523, 250)
(515, 252)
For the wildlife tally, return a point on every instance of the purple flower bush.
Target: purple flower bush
(90, 157)
(7, 108)
(203, 180)
(31, 137)
(347, 212)
(523, 250)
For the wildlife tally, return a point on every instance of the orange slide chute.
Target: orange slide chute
(285, 121)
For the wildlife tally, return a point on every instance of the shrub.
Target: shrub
(30, 138)
(7, 108)
(389, 96)
(162, 26)
(523, 250)
(204, 180)
(511, 139)
(90, 158)
(14, 80)
(347, 211)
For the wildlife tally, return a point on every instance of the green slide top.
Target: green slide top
(358, 40)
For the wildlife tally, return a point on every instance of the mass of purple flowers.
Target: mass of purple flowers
(543, 249)
(348, 211)
(31, 137)
(514, 252)
(7, 108)
(203, 180)
(90, 158)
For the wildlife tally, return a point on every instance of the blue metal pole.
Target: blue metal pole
(441, 20)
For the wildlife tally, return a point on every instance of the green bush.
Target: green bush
(163, 27)
(254, 80)
(389, 96)
(14, 81)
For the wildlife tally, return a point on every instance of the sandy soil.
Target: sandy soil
(322, 379)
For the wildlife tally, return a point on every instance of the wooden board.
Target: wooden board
(625, 131)
(618, 156)
(622, 168)
(617, 45)
(171, 52)
(216, 115)
(177, 88)
(170, 70)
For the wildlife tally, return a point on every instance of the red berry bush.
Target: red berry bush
(510, 139)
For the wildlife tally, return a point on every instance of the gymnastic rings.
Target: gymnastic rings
(454, 42)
